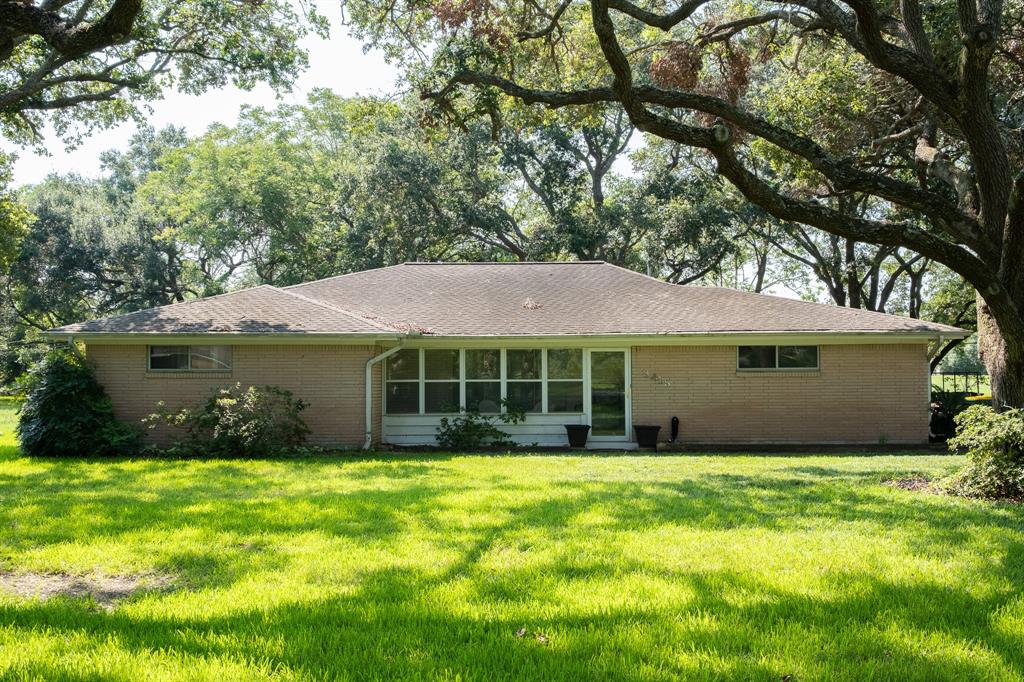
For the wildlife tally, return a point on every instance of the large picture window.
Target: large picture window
(777, 357)
(190, 358)
(440, 381)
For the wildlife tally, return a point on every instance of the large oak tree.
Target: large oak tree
(934, 138)
(74, 62)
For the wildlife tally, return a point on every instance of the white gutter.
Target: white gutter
(369, 390)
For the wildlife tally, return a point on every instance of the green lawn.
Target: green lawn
(8, 420)
(630, 567)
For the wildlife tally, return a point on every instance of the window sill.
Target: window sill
(779, 372)
(190, 373)
(482, 414)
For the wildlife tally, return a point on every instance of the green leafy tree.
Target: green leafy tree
(78, 62)
(14, 217)
(940, 148)
(86, 251)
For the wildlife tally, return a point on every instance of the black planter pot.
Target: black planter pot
(577, 434)
(646, 435)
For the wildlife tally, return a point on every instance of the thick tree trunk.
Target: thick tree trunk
(851, 274)
(1003, 358)
(945, 350)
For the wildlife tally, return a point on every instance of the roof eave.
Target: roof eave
(206, 337)
(682, 338)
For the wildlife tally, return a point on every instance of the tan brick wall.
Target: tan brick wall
(330, 378)
(861, 394)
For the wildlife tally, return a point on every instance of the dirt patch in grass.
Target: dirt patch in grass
(923, 485)
(104, 590)
(915, 483)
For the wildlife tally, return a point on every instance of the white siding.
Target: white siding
(546, 430)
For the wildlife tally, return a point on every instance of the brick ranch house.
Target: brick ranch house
(382, 355)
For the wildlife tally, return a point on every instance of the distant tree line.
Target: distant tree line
(337, 185)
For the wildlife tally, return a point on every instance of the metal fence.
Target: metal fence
(967, 383)
(953, 392)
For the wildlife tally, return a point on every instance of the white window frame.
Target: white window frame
(465, 381)
(582, 380)
(189, 369)
(418, 381)
(460, 380)
(776, 368)
(542, 379)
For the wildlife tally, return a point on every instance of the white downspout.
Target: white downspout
(369, 390)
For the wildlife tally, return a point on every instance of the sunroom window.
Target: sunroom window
(565, 380)
(441, 381)
(402, 389)
(483, 380)
(524, 384)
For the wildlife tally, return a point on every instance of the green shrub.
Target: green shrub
(241, 422)
(470, 429)
(994, 444)
(66, 413)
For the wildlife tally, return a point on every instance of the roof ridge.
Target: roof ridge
(344, 274)
(343, 311)
(505, 262)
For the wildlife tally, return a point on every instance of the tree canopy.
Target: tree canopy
(809, 109)
(79, 64)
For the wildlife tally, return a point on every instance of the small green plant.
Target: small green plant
(67, 413)
(240, 422)
(994, 444)
(471, 429)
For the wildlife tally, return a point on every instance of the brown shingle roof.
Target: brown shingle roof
(512, 299)
(503, 299)
(260, 310)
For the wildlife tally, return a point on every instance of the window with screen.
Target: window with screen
(441, 381)
(190, 358)
(565, 380)
(777, 357)
(402, 387)
(523, 385)
(483, 380)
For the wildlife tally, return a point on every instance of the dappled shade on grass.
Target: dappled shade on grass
(635, 568)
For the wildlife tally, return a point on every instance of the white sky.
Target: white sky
(337, 63)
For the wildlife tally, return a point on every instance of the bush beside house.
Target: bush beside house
(994, 444)
(239, 421)
(66, 412)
